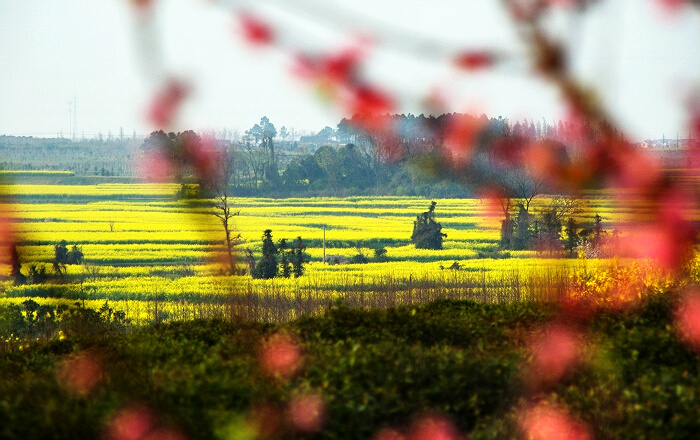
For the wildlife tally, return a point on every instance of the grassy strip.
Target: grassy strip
(371, 369)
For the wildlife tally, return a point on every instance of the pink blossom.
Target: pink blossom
(281, 356)
(256, 31)
(475, 60)
(547, 422)
(554, 353)
(306, 412)
(433, 428)
(688, 318)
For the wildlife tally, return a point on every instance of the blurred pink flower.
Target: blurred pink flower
(547, 422)
(433, 428)
(256, 31)
(281, 356)
(81, 374)
(306, 412)
(131, 423)
(461, 136)
(554, 353)
(688, 318)
(475, 60)
(671, 5)
(167, 102)
(156, 167)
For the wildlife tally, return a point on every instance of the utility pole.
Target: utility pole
(70, 119)
(75, 117)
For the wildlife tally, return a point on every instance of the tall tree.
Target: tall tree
(264, 134)
(267, 265)
(219, 186)
(284, 252)
(298, 258)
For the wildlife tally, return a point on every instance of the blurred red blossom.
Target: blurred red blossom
(636, 169)
(524, 10)
(687, 318)
(389, 434)
(203, 155)
(306, 412)
(369, 103)
(255, 30)
(547, 160)
(167, 102)
(142, 4)
(337, 76)
(164, 433)
(695, 121)
(668, 236)
(131, 423)
(547, 422)
(281, 356)
(554, 353)
(433, 427)
(575, 126)
(156, 167)
(7, 240)
(339, 69)
(475, 60)
(496, 202)
(460, 137)
(81, 374)
(672, 5)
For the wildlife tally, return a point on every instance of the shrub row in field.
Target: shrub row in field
(362, 371)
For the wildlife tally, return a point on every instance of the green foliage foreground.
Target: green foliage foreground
(377, 369)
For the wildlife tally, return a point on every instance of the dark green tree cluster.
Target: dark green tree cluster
(544, 232)
(280, 259)
(260, 148)
(427, 233)
(63, 256)
(347, 168)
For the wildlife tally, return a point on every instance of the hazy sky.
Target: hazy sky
(644, 61)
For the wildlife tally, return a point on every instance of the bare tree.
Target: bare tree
(255, 160)
(219, 185)
(566, 205)
(523, 186)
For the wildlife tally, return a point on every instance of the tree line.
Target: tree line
(348, 160)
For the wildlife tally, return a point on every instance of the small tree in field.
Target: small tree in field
(427, 233)
(63, 256)
(267, 266)
(285, 253)
(298, 258)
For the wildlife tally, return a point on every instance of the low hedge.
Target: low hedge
(372, 369)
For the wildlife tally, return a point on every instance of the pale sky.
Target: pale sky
(643, 61)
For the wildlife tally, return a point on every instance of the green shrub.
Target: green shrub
(372, 368)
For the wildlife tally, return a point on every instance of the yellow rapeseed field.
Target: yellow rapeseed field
(142, 247)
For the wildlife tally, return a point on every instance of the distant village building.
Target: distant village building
(665, 144)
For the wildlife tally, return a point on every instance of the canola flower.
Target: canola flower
(142, 247)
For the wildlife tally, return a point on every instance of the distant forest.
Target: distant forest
(271, 162)
(93, 157)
